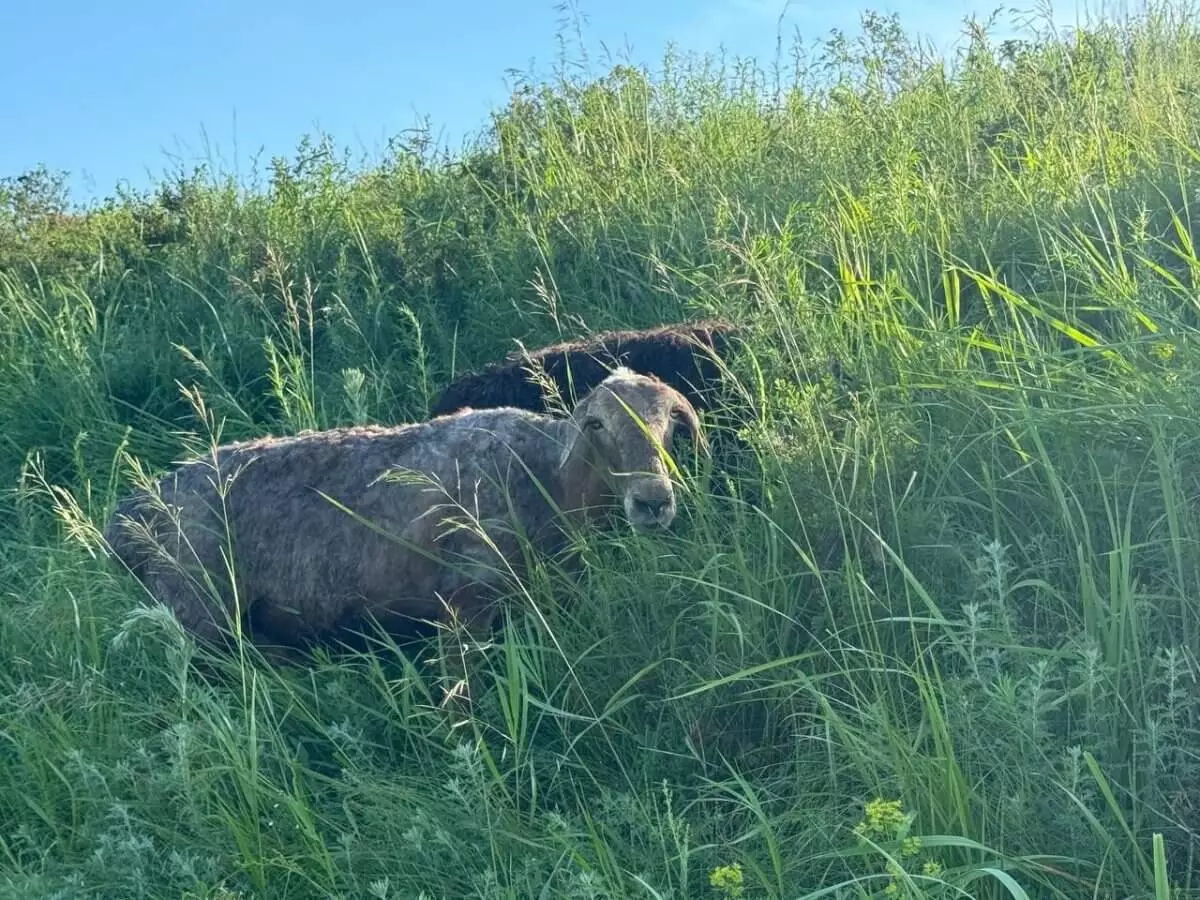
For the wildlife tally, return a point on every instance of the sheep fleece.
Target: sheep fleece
(677, 354)
(305, 568)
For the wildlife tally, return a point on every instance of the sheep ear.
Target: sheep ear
(692, 423)
(569, 445)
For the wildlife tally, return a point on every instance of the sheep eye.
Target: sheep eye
(677, 414)
(593, 424)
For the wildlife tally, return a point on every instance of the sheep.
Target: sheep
(684, 355)
(687, 356)
(330, 529)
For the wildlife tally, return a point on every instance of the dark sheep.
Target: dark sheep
(682, 355)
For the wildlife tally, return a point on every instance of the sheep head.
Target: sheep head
(617, 433)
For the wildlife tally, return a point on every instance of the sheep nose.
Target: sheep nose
(651, 509)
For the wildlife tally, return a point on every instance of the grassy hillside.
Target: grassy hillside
(951, 648)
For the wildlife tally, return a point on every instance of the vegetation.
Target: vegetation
(950, 647)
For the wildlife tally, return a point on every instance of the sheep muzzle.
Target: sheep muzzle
(650, 503)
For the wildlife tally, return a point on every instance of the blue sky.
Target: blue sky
(113, 92)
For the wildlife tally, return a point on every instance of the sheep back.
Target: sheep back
(678, 354)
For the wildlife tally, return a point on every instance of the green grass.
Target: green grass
(971, 587)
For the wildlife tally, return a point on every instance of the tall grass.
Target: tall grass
(949, 650)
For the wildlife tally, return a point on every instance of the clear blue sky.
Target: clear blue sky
(107, 91)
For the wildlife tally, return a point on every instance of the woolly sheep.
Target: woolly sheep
(309, 569)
